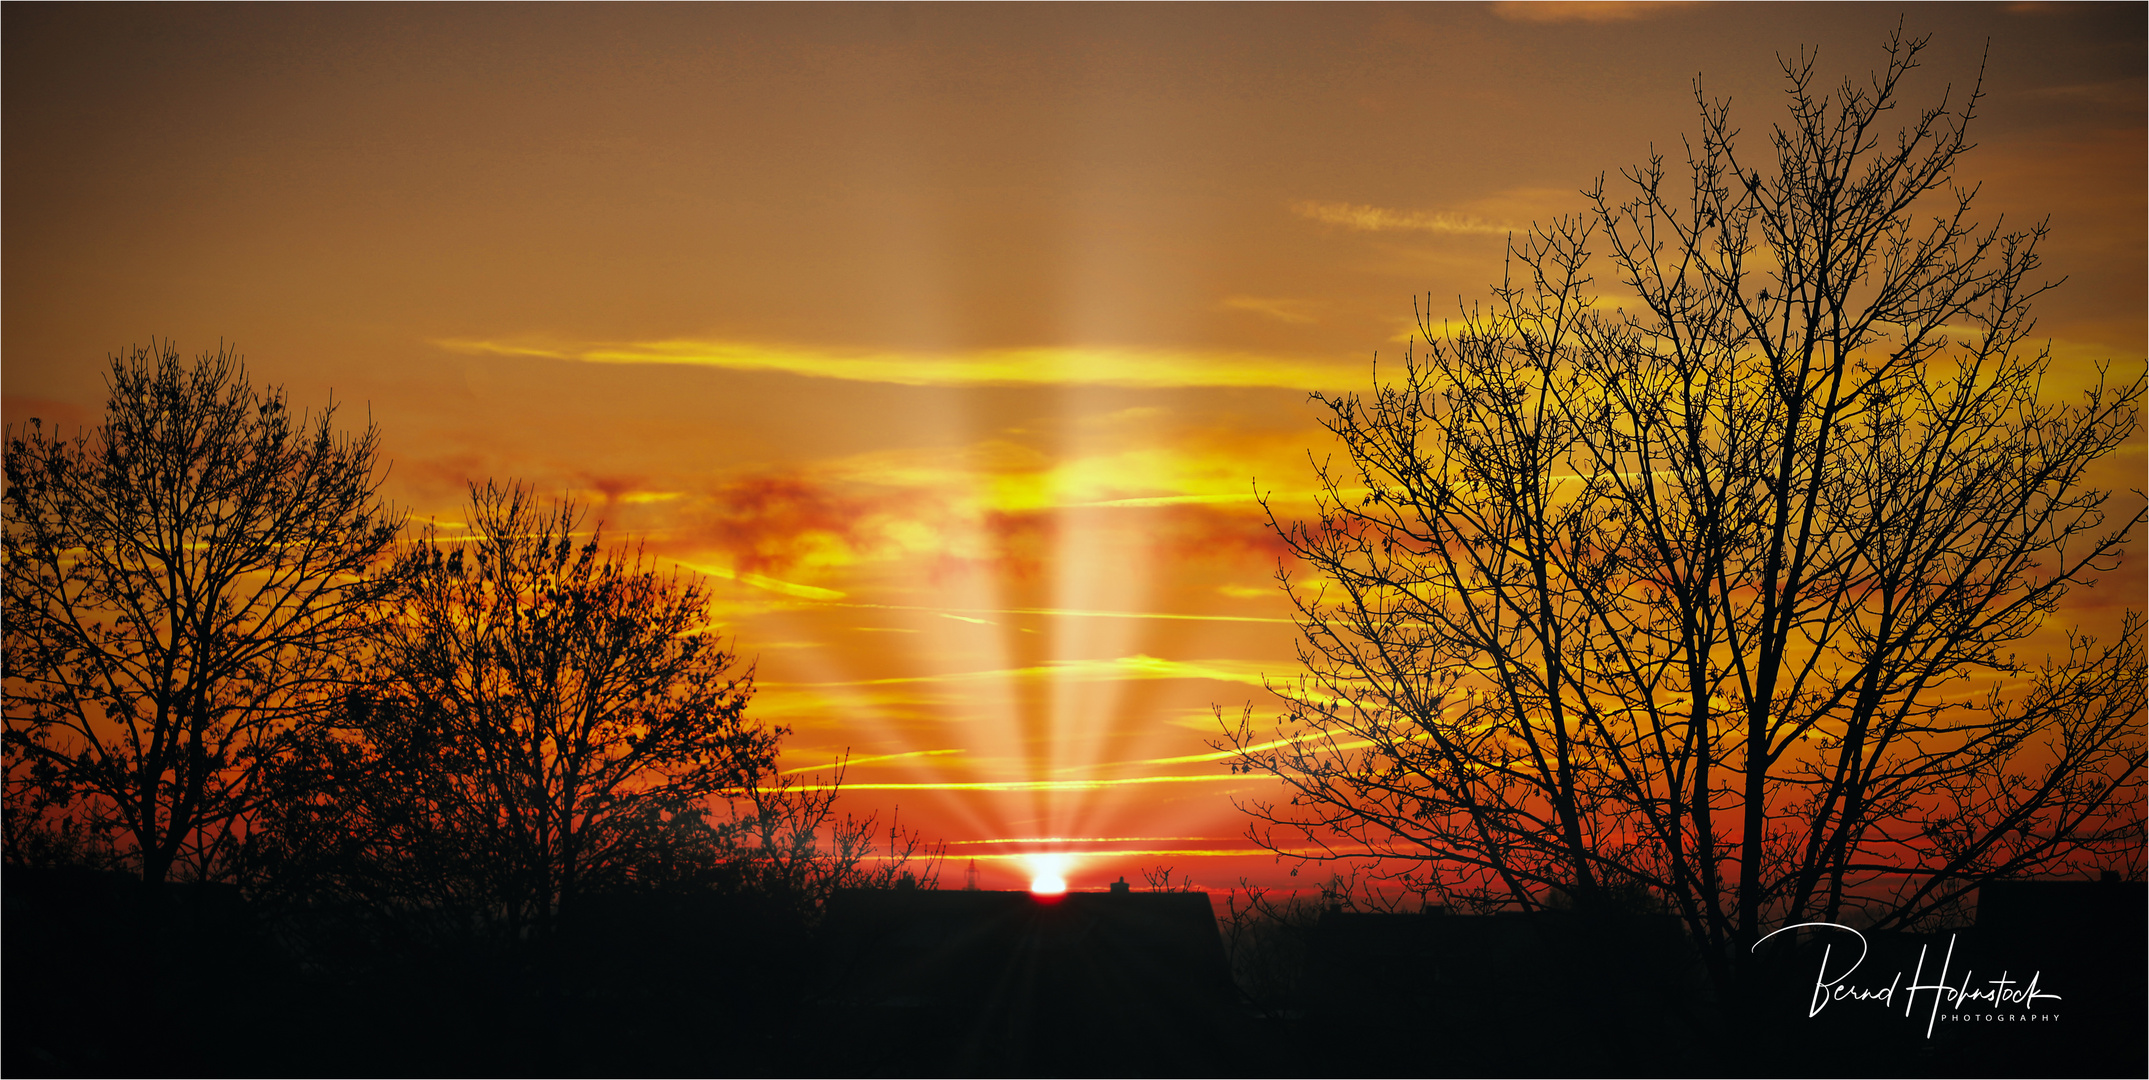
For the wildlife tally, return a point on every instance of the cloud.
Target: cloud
(1278, 308)
(1171, 853)
(850, 761)
(774, 522)
(1091, 840)
(1332, 744)
(1586, 11)
(1114, 670)
(2117, 93)
(995, 507)
(1075, 613)
(1381, 219)
(1248, 499)
(787, 588)
(1039, 365)
(1216, 533)
(1039, 785)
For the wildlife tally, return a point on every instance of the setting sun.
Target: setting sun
(1048, 874)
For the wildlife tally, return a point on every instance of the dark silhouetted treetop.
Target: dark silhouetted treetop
(183, 587)
(1703, 594)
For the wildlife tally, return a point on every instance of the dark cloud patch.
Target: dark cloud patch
(1017, 546)
(612, 487)
(1219, 534)
(769, 523)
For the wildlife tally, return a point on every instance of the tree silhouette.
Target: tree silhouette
(539, 705)
(1704, 596)
(181, 588)
(547, 719)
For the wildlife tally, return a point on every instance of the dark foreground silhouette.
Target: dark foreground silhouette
(105, 977)
(1006, 983)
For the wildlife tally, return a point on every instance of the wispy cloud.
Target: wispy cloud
(1588, 11)
(1090, 840)
(847, 762)
(1176, 500)
(1172, 853)
(1124, 667)
(787, 588)
(1080, 614)
(2126, 92)
(1277, 308)
(1046, 365)
(1382, 219)
(1042, 785)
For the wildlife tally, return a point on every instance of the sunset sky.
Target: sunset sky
(952, 342)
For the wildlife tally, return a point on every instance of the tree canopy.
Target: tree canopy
(1701, 588)
(183, 583)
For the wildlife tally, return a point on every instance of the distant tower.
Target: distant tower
(970, 877)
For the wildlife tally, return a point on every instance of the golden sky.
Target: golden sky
(952, 341)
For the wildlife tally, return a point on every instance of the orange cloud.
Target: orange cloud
(1052, 365)
(1111, 670)
(1279, 309)
(1209, 533)
(1039, 785)
(1588, 11)
(1381, 219)
(770, 523)
(873, 759)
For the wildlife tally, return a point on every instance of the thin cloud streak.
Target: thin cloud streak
(848, 762)
(1121, 668)
(1076, 613)
(1039, 785)
(1035, 366)
(1380, 219)
(1183, 853)
(787, 588)
(1082, 840)
(1586, 11)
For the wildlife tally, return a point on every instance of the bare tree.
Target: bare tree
(552, 718)
(181, 589)
(1704, 596)
(1159, 879)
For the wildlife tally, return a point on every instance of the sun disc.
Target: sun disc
(1048, 884)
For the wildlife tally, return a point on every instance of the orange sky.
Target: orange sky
(955, 338)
